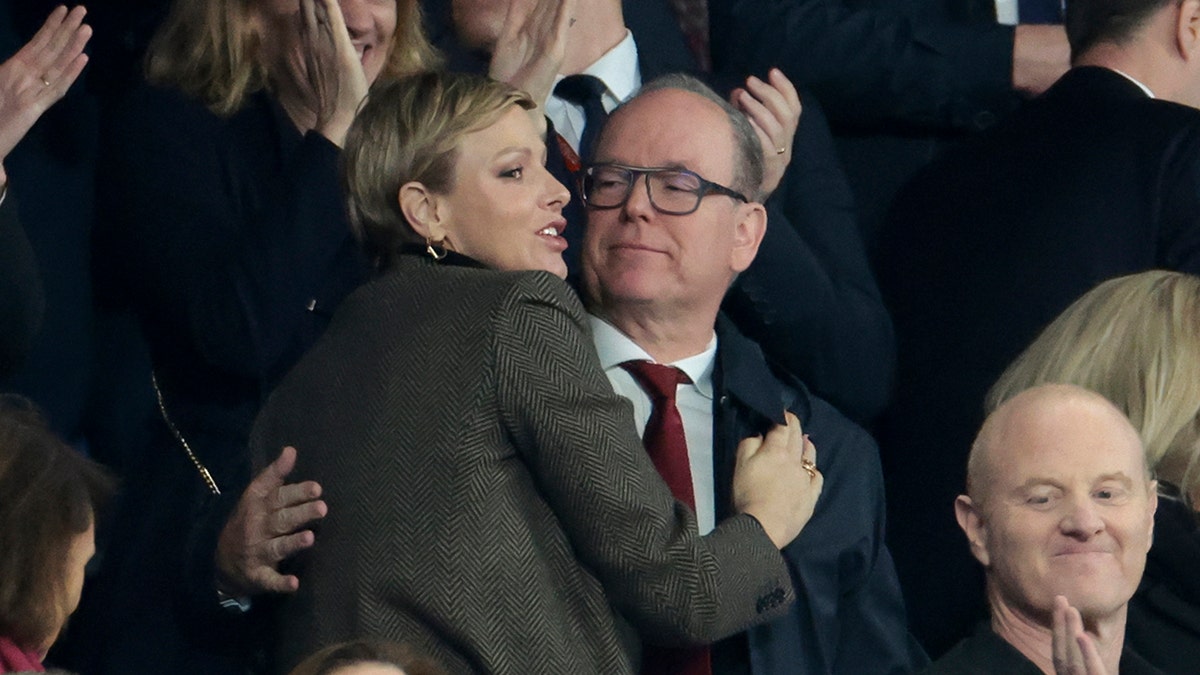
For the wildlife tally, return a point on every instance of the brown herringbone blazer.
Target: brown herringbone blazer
(489, 499)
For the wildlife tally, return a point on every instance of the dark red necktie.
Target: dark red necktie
(666, 444)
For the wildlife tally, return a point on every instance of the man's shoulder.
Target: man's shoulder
(748, 373)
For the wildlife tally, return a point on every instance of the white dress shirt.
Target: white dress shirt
(695, 403)
(618, 69)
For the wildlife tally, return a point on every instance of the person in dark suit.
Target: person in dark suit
(655, 273)
(222, 226)
(1136, 341)
(810, 299)
(900, 80)
(489, 500)
(986, 247)
(1059, 511)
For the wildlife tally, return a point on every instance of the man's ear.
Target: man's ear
(423, 210)
(748, 234)
(1187, 30)
(973, 524)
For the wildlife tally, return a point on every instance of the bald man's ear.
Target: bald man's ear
(973, 525)
(1187, 30)
(748, 234)
(422, 209)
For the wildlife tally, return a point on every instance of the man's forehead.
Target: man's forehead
(1059, 442)
(668, 128)
(1058, 431)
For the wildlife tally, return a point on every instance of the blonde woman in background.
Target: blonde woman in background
(1136, 340)
(221, 227)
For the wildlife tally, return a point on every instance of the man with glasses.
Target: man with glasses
(673, 217)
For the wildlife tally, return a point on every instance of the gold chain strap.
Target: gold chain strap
(162, 409)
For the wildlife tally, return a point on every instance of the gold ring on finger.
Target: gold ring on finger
(809, 466)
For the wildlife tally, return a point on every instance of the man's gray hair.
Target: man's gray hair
(748, 163)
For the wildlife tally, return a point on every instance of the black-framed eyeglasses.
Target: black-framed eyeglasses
(675, 192)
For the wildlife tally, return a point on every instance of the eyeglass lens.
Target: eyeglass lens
(671, 191)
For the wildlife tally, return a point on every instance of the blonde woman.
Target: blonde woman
(1136, 340)
(222, 227)
(489, 499)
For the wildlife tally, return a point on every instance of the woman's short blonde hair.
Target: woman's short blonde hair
(1136, 341)
(211, 51)
(409, 130)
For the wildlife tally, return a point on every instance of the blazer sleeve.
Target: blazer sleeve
(810, 299)
(578, 438)
(874, 66)
(229, 261)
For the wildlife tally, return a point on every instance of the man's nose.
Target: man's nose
(1082, 519)
(639, 204)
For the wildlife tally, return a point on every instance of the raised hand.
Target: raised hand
(268, 526)
(39, 74)
(1074, 651)
(532, 45)
(773, 108)
(777, 482)
(326, 70)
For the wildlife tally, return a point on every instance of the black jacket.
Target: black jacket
(849, 615)
(984, 248)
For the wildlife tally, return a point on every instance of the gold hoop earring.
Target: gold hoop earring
(436, 250)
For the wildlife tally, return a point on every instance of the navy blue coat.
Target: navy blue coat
(849, 614)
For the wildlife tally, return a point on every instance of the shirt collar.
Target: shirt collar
(619, 71)
(615, 348)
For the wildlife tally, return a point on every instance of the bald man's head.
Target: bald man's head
(1037, 406)
(1060, 502)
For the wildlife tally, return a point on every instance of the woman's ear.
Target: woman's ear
(423, 210)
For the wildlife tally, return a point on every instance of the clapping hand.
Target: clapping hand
(40, 74)
(532, 45)
(1074, 651)
(773, 108)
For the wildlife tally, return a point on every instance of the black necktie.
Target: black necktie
(585, 91)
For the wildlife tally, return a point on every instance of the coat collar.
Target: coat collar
(742, 373)
(1097, 81)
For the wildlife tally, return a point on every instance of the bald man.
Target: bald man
(1059, 511)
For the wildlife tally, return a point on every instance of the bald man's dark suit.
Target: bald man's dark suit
(1090, 181)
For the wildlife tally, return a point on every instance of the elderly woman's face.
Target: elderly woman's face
(370, 23)
(505, 209)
